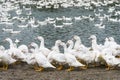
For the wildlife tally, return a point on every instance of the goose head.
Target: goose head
(8, 40)
(70, 43)
(111, 39)
(40, 38)
(106, 39)
(34, 45)
(2, 48)
(57, 42)
(77, 40)
(23, 48)
(92, 37)
(63, 44)
(76, 37)
(31, 50)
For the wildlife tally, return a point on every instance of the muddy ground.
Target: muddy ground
(25, 72)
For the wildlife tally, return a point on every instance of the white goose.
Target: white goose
(86, 56)
(14, 52)
(94, 43)
(106, 43)
(96, 48)
(6, 59)
(42, 48)
(2, 49)
(23, 48)
(78, 44)
(56, 56)
(113, 44)
(111, 61)
(39, 58)
(71, 60)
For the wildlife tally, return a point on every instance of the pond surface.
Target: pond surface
(83, 28)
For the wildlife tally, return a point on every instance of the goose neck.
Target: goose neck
(11, 43)
(94, 41)
(70, 46)
(65, 48)
(42, 43)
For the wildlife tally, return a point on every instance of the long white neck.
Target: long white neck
(11, 43)
(77, 44)
(94, 43)
(42, 45)
(57, 47)
(70, 46)
(65, 48)
(36, 48)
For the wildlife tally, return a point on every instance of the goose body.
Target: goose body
(86, 56)
(40, 59)
(14, 52)
(71, 59)
(56, 56)
(111, 61)
(42, 48)
(6, 59)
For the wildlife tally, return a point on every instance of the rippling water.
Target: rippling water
(84, 28)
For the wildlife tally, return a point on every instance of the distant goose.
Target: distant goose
(59, 19)
(67, 18)
(42, 23)
(67, 24)
(18, 12)
(58, 26)
(100, 25)
(78, 18)
(23, 26)
(34, 25)
(7, 30)
(15, 32)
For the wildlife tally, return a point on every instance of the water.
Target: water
(83, 28)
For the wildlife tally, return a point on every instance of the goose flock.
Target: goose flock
(74, 54)
(17, 16)
(12, 11)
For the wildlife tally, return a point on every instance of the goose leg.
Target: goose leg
(36, 67)
(83, 67)
(71, 68)
(5, 67)
(108, 67)
(17, 62)
(112, 68)
(95, 64)
(40, 69)
(60, 67)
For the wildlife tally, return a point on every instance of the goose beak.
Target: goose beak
(29, 46)
(67, 43)
(36, 38)
(90, 38)
(72, 39)
(4, 40)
